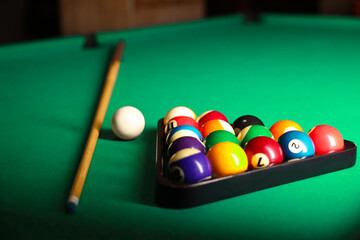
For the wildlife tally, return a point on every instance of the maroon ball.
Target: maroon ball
(185, 142)
(263, 152)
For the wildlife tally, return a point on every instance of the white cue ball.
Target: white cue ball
(127, 123)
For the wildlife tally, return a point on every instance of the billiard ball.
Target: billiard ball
(283, 126)
(178, 121)
(262, 152)
(210, 115)
(214, 125)
(182, 131)
(326, 139)
(251, 132)
(227, 158)
(244, 121)
(127, 123)
(179, 111)
(189, 166)
(220, 136)
(296, 145)
(185, 142)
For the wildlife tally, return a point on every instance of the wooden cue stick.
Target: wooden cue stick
(81, 174)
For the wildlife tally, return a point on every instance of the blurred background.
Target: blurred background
(25, 20)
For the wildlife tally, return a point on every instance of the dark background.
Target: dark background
(24, 20)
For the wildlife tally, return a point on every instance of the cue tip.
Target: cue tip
(71, 204)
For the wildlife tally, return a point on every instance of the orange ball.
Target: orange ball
(215, 125)
(227, 158)
(283, 126)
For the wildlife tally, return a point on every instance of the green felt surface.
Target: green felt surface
(301, 68)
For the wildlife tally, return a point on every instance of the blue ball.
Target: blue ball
(189, 166)
(296, 145)
(181, 131)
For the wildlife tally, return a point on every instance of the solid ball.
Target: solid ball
(327, 139)
(182, 131)
(244, 121)
(262, 152)
(251, 132)
(227, 158)
(127, 123)
(189, 166)
(220, 136)
(296, 145)
(178, 121)
(185, 142)
(177, 112)
(210, 115)
(215, 125)
(283, 126)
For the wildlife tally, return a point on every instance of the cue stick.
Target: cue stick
(81, 174)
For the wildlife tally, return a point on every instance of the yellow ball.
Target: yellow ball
(227, 158)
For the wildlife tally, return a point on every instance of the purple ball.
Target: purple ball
(190, 169)
(185, 142)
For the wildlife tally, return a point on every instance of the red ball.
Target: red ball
(210, 115)
(178, 121)
(326, 139)
(262, 152)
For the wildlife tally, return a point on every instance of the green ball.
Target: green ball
(251, 132)
(220, 136)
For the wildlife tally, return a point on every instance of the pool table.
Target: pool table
(302, 68)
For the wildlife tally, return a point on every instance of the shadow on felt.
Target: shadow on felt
(145, 193)
(108, 134)
(147, 184)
